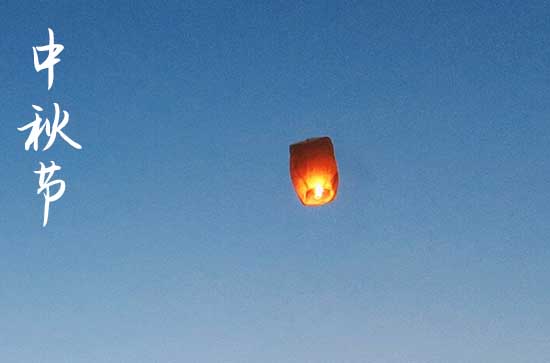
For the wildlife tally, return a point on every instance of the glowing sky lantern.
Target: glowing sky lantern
(313, 171)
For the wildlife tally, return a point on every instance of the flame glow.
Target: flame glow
(318, 192)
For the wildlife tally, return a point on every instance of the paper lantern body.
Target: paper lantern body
(313, 171)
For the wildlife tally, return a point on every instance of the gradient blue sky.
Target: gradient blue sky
(180, 239)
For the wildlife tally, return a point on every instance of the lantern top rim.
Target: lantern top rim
(311, 140)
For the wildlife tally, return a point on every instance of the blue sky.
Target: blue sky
(179, 237)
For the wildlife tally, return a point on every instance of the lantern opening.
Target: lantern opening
(318, 195)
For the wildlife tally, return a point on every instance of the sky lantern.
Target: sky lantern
(313, 171)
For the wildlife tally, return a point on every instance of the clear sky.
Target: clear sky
(179, 237)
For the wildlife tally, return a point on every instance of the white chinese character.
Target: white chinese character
(45, 183)
(52, 130)
(53, 51)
